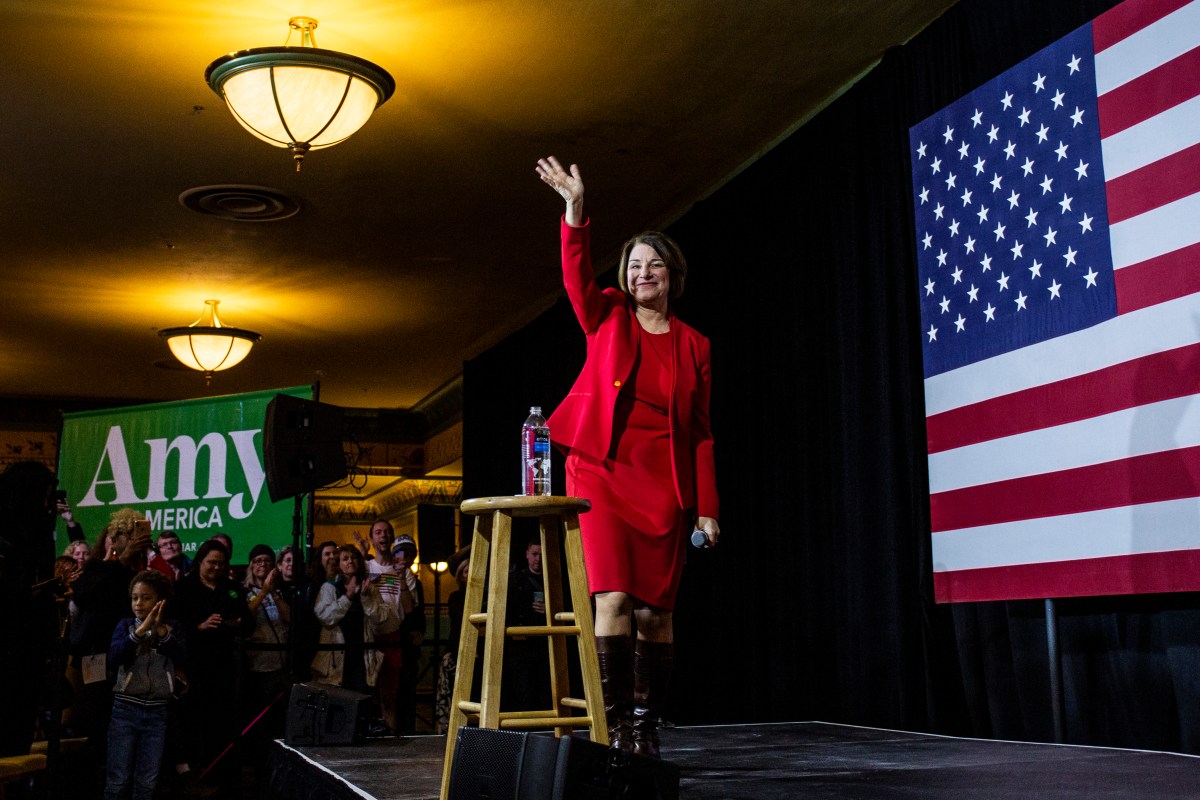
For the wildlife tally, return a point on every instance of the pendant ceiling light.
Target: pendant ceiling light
(302, 98)
(208, 346)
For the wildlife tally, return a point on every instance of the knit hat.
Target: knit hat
(261, 550)
(405, 542)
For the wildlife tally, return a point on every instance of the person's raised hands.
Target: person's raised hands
(568, 184)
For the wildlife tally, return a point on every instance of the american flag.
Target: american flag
(1057, 214)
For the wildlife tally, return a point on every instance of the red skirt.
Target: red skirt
(633, 537)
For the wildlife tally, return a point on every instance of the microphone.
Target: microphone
(699, 539)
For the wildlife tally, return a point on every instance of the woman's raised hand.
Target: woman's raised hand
(568, 184)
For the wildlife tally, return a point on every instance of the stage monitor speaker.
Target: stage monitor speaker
(435, 532)
(322, 714)
(302, 446)
(510, 765)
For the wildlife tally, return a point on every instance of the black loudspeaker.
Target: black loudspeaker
(509, 765)
(321, 714)
(435, 532)
(302, 446)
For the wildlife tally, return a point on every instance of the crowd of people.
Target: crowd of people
(178, 669)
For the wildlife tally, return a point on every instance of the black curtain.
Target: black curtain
(818, 604)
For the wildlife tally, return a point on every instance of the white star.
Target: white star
(1030, 218)
(1073, 64)
(945, 304)
(970, 244)
(1027, 166)
(983, 212)
(990, 312)
(1054, 287)
(1020, 301)
(929, 287)
(999, 231)
(941, 258)
(921, 151)
(1061, 150)
(1066, 202)
(993, 134)
(950, 179)
(1013, 199)
(948, 135)
(962, 151)
(1090, 277)
(1042, 133)
(976, 118)
(932, 333)
(1010, 151)
(957, 275)
(1040, 83)
(1070, 256)
(1081, 170)
(973, 294)
(927, 241)
(979, 162)
(1085, 224)
(1036, 270)
(1077, 117)
(1003, 282)
(1006, 101)
(986, 263)
(937, 165)
(1045, 184)
(1058, 98)
(1017, 251)
(1050, 236)
(996, 182)
(937, 211)
(959, 324)
(924, 195)
(954, 227)
(1023, 116)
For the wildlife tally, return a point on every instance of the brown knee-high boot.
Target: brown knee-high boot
(615, 654)
(652, 664)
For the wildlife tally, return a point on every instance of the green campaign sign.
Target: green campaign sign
(194, 467)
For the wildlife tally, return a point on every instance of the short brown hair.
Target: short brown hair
(157, 581)
(667, 250)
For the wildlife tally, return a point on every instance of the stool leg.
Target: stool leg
(556, 646)
(468, 642)
(581, 599)
(494, 635)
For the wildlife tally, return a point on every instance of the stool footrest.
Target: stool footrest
(543, 630)
(545, 722)
(473, 708)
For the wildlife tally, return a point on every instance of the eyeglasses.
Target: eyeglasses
(263, 560)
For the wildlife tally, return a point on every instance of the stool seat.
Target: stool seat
(491, 542)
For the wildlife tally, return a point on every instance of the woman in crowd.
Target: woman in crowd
(272, 617)
(307, 628)
(458, 566)
(636, 430)
(79, 552)
(351, 613)
(212, 610)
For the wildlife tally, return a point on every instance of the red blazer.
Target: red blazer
(584, 419)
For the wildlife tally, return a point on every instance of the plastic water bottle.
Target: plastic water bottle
(535, 454)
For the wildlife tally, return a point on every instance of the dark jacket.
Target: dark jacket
(145, 666)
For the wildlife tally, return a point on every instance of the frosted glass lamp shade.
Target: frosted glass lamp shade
(208, 346)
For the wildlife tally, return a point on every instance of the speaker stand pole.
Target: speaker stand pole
(299, 581)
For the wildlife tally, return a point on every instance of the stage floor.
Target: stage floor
(791, 760)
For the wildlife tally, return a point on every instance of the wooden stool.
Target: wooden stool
(490, 547)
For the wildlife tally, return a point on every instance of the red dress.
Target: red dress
(634, 537)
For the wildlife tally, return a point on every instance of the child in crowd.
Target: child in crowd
(145, 649)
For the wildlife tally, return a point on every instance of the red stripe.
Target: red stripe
(1159, 376)
(1145, 573)
(1128, 18)
(1152, 93)
(1156, 280)
(1154, 185)
(1150, 478)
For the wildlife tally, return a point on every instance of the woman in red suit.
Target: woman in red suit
(636, 431)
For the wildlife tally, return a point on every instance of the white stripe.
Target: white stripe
(1139, 333)
(1152, 428)
(1157, 232)
(1129, 530)
(1152, 46)
(1162, 135)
